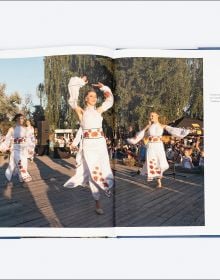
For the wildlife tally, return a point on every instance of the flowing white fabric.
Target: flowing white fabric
(18, 141)
(78, 141)
(31, 141)
(177, 132)
(74, 86)
(109, 99)
(138, 137)
(94, 168)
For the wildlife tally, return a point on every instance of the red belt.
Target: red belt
(155, 139)
(19, 140)
(93, 133)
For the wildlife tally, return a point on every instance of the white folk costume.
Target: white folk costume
(93, 166)
(30, 135)
(156, 161)
(74, 86)
(19, 142)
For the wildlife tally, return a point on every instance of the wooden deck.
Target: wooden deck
(44, 202)
(179, 203)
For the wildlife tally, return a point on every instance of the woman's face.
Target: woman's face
(91, 98)
(28, 123)
(153, 117)
(20, 120)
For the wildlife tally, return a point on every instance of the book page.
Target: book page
(166, 183)
(55, 122)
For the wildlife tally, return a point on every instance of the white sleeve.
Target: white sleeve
(5, 144)
(78, 137)
(138, 137)
(109, 98)
(30, 139)
(74, 86)
(177, 132)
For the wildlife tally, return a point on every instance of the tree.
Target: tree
(170, 86)
(155, 84)
(9, 104)
(58, 71)
(195, 106)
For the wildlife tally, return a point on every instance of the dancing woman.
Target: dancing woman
(156, 162)
(19, 142)
(92, 159)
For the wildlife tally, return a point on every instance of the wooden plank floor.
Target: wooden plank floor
(44, 202)
(179, 203)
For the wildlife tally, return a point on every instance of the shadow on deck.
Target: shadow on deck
(44, 202)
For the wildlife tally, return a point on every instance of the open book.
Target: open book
(101, 142)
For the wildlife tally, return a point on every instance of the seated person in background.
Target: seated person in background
(186, 159)
(130, 159)
(170, 153)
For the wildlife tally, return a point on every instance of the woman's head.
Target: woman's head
(84, 78)
(188, 152)
(154, 117)
(91, 98)
(28, 123)
(19, 119)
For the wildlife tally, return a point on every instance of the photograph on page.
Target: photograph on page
(56, 124)
(159, 150)
(90, 143)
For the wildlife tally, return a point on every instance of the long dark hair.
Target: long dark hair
(17, 116)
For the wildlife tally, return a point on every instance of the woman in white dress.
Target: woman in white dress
(156, 162)
(19, 143)
(30, 133)
(93, 166)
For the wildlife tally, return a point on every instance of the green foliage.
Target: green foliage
(9, 104)
(171, 86)
(58, 71)
(166, 85)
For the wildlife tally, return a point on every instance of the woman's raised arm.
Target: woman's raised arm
(139, 135)
(74, 86)
(109, 98)
(177, 132)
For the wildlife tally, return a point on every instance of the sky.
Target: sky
(22, 75)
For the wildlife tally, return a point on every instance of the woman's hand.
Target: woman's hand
(73, 148)
(99, 85)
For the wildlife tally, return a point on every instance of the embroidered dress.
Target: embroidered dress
(156, 161)
(18, 142)
(93, 166)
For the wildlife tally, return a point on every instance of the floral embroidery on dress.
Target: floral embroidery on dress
(107, 94)
(97, 176)
(93, 133)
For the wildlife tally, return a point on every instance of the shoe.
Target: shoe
(99, 211)
(29, 179)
